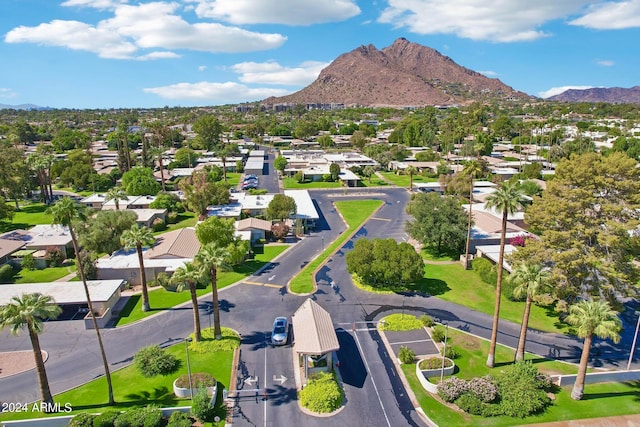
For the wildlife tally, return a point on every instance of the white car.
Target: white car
(280, 332)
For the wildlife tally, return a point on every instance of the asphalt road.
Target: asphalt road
(375, 397)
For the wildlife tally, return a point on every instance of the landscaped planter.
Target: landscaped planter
(185, 392)
(424, 374)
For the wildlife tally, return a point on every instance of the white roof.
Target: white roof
(232, 210)
(304, 204)
(63, 292)
(94, 198)
(493, 253)
(122, 203)
(126, 259)
(48, 235)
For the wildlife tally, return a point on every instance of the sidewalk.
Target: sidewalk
(620, 421)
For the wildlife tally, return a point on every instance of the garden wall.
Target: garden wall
(599, 377)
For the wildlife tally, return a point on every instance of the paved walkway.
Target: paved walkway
(621, 421)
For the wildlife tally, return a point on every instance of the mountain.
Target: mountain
(614, 95)
(403, 74)
(22, 107)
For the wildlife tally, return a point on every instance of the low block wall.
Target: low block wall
(600, 377)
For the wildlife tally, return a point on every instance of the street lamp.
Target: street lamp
(635, 338)
(186, 346)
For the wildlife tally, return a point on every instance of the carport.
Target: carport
(315, 339)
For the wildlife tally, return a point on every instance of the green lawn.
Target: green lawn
(403, 180)
(131, 389)
(355, 213)
(453, 283)
(161, 299)
(30, 214)
(50, 274)
(184, 219)
(600, 400)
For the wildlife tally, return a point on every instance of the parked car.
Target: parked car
(280, 332)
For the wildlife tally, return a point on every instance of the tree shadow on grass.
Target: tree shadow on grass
(635, 392)
(158, 393)
(432, 287)
(130, 305)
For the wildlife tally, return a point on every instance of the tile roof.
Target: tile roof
(256, 223)
(181, 243)
(313, 330)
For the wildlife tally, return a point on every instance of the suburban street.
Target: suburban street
(375, 396)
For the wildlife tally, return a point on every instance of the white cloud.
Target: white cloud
(214, 93)
(489, 73)
(611, 15)
(145, 26)
(7, 93)
(287, 12)
(96, 4)
(558, 90)
(273, 73)
(606, 63)
(499, 20)
(202, 67)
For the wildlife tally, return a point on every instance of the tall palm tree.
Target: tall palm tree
(591, 317)
(410, 170)
(29, 311)
(116, 194)
(212, 258)
(139, 237)
(507, 198)
(65, 212)
(530, 280)
(190, 274)
(472, 169)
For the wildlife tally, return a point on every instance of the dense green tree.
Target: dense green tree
(326, 141)
(67, 139)
(334, 170)
(200, 192)
(531, 280)
(66, 212)
(6, 211)
(116, 194)
(30, 311)
(281, 207)
(101, 233)
(139, 181)
(169, 201)
(213, 258)
(76, 170)
(591, 317)
(508, 198)
(280, 163)
(438, 221)
(584, 220)
(138, 237)
(305, 129)
(369, 171)
(358, 140)
(209, 130)
(14, 174)
(472, 169)
(184, 158)
(220, 231)
(385, 262)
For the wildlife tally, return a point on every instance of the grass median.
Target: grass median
(161, 299)
(355, 214)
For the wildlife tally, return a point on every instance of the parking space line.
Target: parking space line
(381, 219)
(408, 342)
(272, 285)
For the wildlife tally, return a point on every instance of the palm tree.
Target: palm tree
(410, 170)
(65, 212)
(507, 198)
(593, 317)
(531, 280)
(212, 257)
(116, 194)
(29, 311)
(190, 274)
(472, 169)
(139, 237)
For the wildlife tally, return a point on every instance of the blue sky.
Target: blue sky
(131, 53)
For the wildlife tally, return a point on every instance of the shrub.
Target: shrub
(450, 352)
(427, 320)
(470, 403)
(158, 225)
(521, 390)
(28, 262)
(153, 360)
(400, 322)
(406, 355)
(438, 333)
(201, 407)
(198, 380)
(179, 419)
(83, 419)
(88, 267)
(54, 256)
(450, 390)
(140, 417)
(508, 286)
(435, 363)
(322, 393)
(6, 273)
(106, 419)
(483, 388)
(486, 270)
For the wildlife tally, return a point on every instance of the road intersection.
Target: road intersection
(374, 393)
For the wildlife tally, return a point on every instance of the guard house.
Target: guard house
(315, 339)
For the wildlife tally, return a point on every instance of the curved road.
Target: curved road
(375, 395)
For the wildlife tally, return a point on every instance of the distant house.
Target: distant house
(44, 236)
(9, 244)
(257, 227)
(171, 251)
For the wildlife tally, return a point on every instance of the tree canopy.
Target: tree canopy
(139, 181)
(385, 262)
(102, 232)
(281, 207)
(439, 221)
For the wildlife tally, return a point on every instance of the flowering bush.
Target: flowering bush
(452, 389)
(483, 388)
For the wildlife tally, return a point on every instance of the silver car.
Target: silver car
(280, 332)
